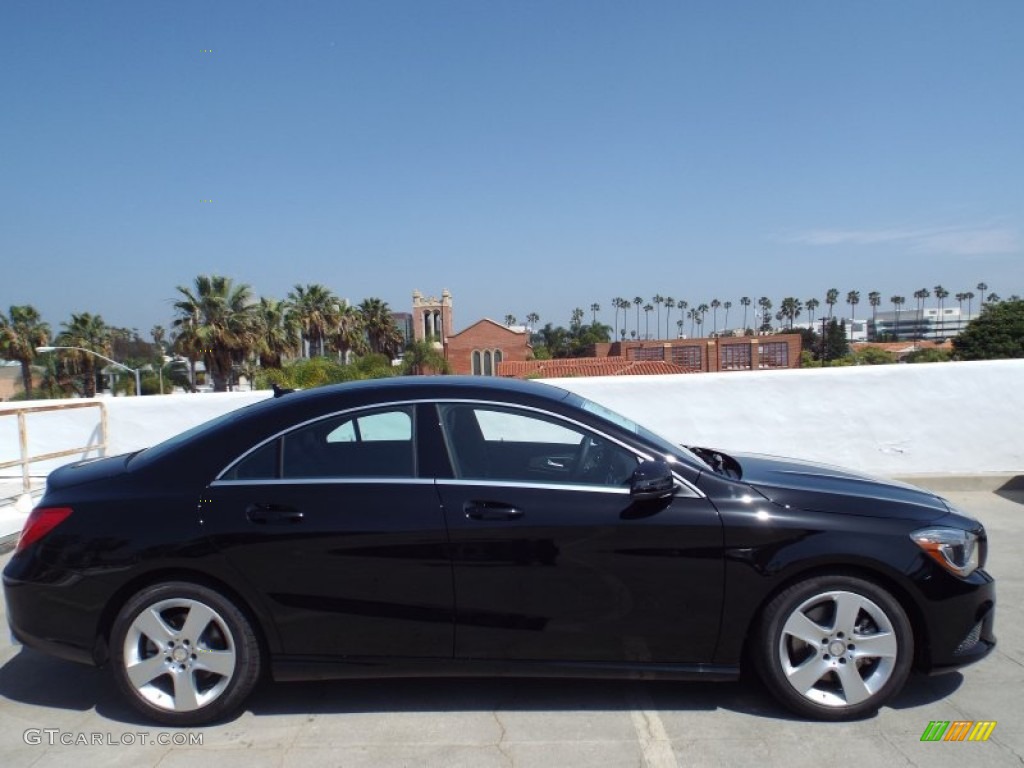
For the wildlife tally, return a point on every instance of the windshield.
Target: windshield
(660, 442)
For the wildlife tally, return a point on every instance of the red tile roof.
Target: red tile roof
(587, 366)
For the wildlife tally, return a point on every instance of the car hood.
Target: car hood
(824, 488)
(86, 471)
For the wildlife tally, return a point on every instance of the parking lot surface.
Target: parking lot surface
(57, 713)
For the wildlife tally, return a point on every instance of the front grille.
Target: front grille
(968, 643)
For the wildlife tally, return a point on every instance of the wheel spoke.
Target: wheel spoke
(854, 688)
(199, 618)
(146, 671)
(186, 697)
(218, 662)
(882, 645)
(848, 607)
(151, 624)
(804, 677)
(800, 626)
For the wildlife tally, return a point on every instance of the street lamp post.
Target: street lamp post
(138, 379)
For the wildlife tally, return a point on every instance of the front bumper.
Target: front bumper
(959, 625)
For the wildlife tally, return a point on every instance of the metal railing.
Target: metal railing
(24, 459)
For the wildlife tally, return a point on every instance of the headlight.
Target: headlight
(954, 549)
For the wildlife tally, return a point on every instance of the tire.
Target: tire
(834, 647)
(183, 654)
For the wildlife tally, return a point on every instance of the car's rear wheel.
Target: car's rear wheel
(834, 647)
(184, 654)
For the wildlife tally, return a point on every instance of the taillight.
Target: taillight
(40, 522)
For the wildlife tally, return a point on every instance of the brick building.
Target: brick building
(724, 353)
(483, 347)
(487, 348)
(474, 351)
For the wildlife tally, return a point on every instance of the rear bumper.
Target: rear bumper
(42, 617)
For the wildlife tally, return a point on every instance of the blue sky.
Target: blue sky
(528, 156)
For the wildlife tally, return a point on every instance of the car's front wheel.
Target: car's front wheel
(184, 654)
(834, 647)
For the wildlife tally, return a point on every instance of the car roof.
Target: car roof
(236, 429)
(415, 387)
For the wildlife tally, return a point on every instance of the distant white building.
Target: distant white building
(926, 324)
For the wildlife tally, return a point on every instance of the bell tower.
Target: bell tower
(432, 317)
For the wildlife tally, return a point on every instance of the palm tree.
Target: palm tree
(669, 304)
(510, 320)
(766, 314)
(831, 298)
(812, 304)
(715, 304)
(87, 332)
(215, 322)
(921, 295)
(533, 318)
(20, 334)
(683, 305)
(647, 320)
(790, 309)
(276, 332)
(897, 302)
(576, 319)
(350, 335)
(159, 334)
(970, 302)
(992, 298)
(875, 300)
(381, 332)
(982, 287)
(692, 314)
(594, 309)
(679, 328)
(658, 301)
(853, 299)
(702, 311)
(941, 294)
(726, 306)
(315, 308)
(744, 302)
(638, 301)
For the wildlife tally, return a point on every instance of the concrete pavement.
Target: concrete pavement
(482, 723)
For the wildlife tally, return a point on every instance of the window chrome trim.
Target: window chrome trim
(369, 480)
(610, 489)
(686, 489)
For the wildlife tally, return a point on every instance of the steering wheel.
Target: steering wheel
(587, 457)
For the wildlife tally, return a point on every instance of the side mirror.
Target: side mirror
(652, 480)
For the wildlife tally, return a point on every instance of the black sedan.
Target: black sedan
(458, 526)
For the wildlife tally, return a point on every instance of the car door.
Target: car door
(553, 560)
(331, 523)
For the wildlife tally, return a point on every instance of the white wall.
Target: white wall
(958, 418)
(894, 420)
(132, 423)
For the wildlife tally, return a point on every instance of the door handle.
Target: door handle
(488, 510)
(274, 514)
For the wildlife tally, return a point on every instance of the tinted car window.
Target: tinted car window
(366, 444)
(261, 464)
(490, 442)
